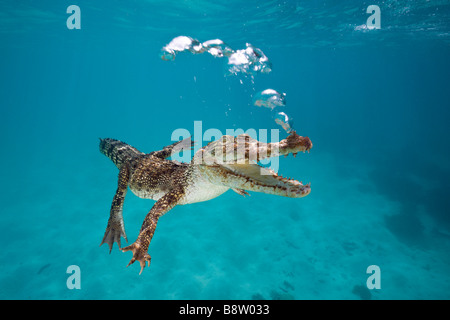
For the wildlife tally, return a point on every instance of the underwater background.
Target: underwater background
(375, 103)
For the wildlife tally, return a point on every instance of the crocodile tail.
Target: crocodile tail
(118, 151)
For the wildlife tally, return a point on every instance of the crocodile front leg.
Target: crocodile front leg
(186, 144)
(115, 228)
(140, 246)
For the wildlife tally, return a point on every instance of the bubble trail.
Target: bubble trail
(249, 60)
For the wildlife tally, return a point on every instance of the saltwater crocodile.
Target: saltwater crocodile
(227, 163)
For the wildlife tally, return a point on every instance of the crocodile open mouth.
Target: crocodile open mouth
(235, 162)
(267, 178)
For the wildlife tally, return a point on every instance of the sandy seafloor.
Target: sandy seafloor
(375, 105)
(203, 250)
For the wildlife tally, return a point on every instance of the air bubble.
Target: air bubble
(217, 48)
(250, 60)
(284, 121)
(269, 98)
(179, 44)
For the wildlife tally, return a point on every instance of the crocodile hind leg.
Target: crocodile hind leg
(140, 246)
(115, 228)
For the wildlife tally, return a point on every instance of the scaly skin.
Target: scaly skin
(228, 163)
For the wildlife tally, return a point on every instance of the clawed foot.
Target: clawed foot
(113, 234)
(139, 253)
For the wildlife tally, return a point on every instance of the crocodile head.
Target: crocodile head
(233, 162)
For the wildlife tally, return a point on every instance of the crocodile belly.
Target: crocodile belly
(202, 191)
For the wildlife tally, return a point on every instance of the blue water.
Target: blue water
(375, 104)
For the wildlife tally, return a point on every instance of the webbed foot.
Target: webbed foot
(139, 253)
